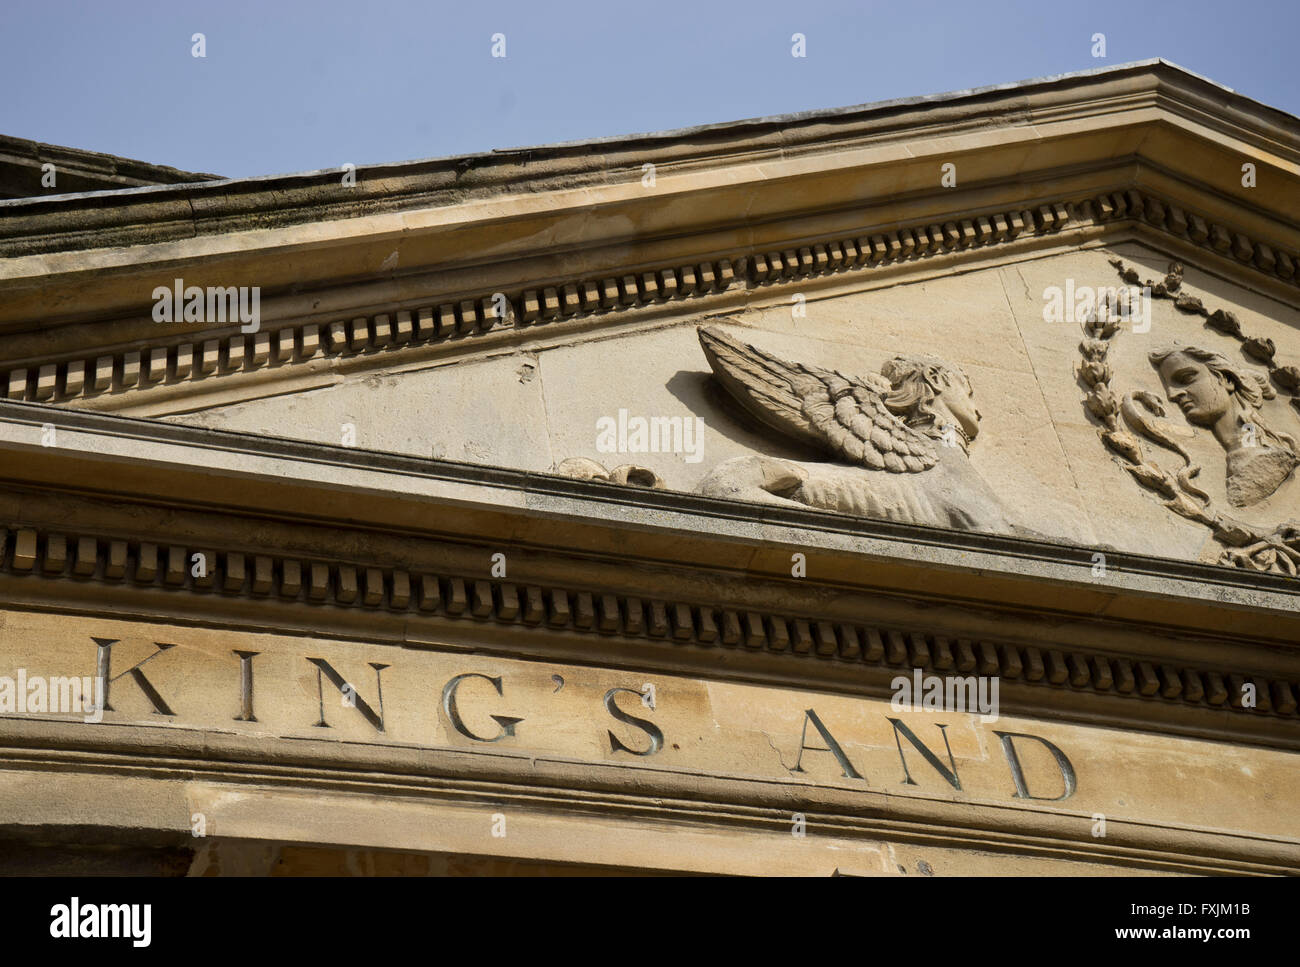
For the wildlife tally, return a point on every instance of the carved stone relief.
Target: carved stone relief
(900, 439)
(630, 475)
(1214, 393)
(1217, 395)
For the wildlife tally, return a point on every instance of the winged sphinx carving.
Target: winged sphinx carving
(899, 438)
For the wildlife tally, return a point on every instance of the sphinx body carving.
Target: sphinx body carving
(900, 439)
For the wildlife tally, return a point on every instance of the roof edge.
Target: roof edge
(781, 122)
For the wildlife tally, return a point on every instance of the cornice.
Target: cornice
(305, 539)
(429, 230)
(248, 477)
(333, 773)
(220, 205)
(280, 579)
(171, 373)
(83, 171)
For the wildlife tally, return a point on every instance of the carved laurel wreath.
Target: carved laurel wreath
(1247, 546)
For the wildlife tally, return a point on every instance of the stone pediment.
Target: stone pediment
(523, 311)
(622, 482)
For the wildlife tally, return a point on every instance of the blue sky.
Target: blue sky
(289, 85)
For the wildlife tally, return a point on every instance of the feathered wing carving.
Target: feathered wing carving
(842, 414)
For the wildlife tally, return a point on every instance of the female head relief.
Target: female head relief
(1227, 399)
(1214, 393)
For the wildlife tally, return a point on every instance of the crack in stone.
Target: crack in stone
(780, 758)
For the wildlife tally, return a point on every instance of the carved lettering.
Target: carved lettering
(325, 669)
(832, 746)
(1018, 773)
(652, 730)
(548, 687)
(449, 706)
(949, 776)
(103, 671)
(246, 686)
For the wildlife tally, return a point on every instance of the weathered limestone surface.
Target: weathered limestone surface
(396, 581)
